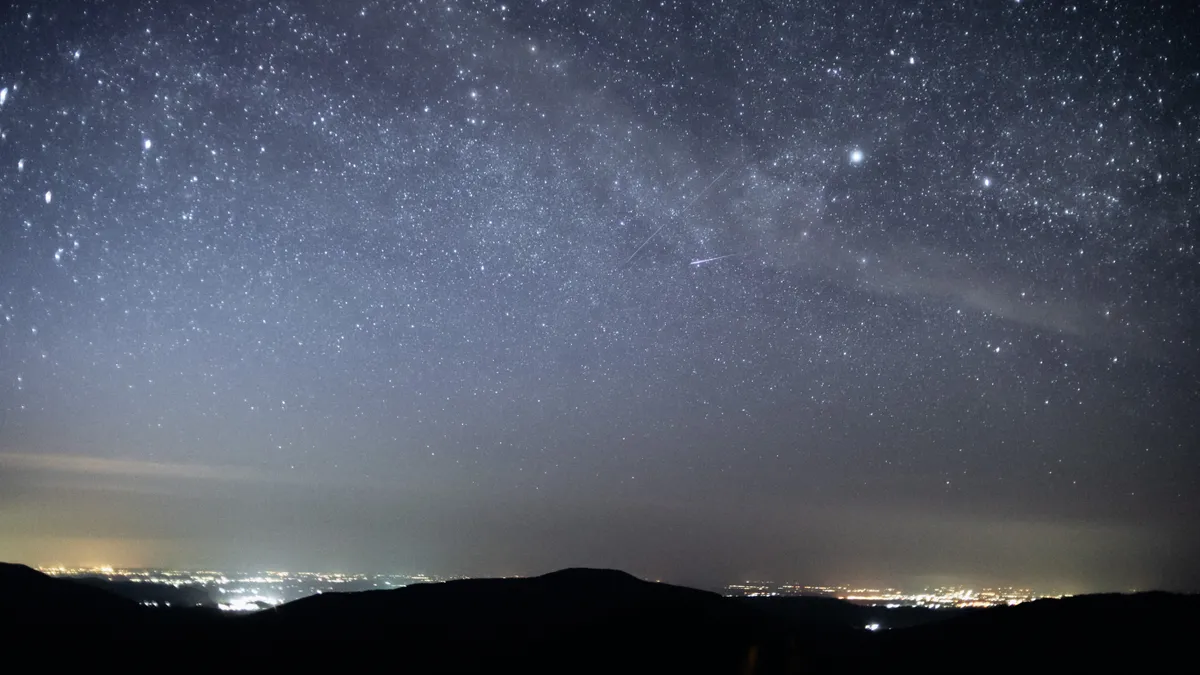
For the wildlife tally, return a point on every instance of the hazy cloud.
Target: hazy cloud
(132, 468)
(917, 271)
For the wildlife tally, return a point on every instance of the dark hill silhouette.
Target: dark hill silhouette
(32, 597)
(541, 622)
(581, 620)
(1103, 632)
(33, 604)
(571, 596)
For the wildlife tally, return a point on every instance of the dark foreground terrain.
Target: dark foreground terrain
(587, 620)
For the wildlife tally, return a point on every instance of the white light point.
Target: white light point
(147, 144)
(20, 165)
(856, 156)
(49, 196)
(987, 182)
(872, 627)
(3, 95)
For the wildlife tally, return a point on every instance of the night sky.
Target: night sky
(831, 292)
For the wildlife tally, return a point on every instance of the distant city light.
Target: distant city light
(247, 591)
(872, 627)
(253, 591)
(891, 598)
(249, 604)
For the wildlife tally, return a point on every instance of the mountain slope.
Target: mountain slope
(581, 620)
(1139, 631)
(35, 598)
(568, 619)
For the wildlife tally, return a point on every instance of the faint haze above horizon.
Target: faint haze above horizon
(833, 292)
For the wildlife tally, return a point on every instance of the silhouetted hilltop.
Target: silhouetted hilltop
(29, 596)
(617, 619)
(33, 604)
(1090, 631)
(566, 597)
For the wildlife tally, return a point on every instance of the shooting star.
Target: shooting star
(697, 263)
(685, 210)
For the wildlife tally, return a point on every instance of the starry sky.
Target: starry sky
(819, 291)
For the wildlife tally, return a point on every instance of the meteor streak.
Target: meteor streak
(685, 210)
(697, 263)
